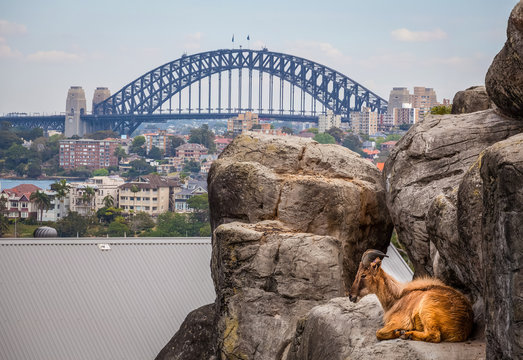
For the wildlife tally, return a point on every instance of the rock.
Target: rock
(473, 99)
(309, 187)
(502, 175)
(195, 339)
(267, 276)
(426, 167)
(341, 330)
(504, 80)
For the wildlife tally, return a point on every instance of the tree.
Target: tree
(336, 133)
(203, 136)
(108, 214)
(34, 169)
(313, 130)
(100, 172)
(62, 189)
(120, 153)
(324, 138)
(137, 146)
(200, 205)
(42, 201)
(287, 130)
(192, 166)
(141, 221)
(108, 201)
(118, 227)
(155, 153)
(352, 142)
(4, 221)
(441, 110)
(102, 135)
(139, 167)
(175, 142)
(88, 196)
(71, 225)
(405, 126)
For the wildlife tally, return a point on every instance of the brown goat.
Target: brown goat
(424, 309)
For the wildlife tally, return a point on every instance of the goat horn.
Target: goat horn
(371, 255)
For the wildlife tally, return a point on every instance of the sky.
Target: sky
(48, 46)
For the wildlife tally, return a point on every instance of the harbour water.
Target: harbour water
(11, 183)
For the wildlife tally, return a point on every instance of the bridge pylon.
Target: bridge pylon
(75, 107)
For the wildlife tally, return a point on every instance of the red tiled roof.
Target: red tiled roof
(380, 166)
(22, 189)
(371, 152)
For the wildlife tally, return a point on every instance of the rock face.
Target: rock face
(473, 99)
(195, 339)
(425, 170)
(341, 330)
(504, 80)
(502, 176)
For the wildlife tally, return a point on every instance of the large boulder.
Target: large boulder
(424, 171)
(473, 99)
(504, 80)
(309, 187)
(502, 175)
(341, 330)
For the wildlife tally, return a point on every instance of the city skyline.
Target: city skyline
(46, 48)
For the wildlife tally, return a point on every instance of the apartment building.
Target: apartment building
(85, 203)
(242, 122)
(406, 115)
(424, 99)
(151, 194)
(94, 154)
(328, 121)
(59, 207)
(364, 122)
(161, 139)
(191, 151)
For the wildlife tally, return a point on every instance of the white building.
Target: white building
(102, 186)
(328, 120)
(59, 207)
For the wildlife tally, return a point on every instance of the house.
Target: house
(190, 189)
(221, 143)
(388, 145)
(18, 201)
(102, 186)
(59, 207)
(149, 193)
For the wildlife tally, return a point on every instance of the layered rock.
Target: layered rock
(473, 99)
(504, 80)
(502, 177)
(340, 330)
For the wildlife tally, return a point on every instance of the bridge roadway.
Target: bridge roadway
(56, 122)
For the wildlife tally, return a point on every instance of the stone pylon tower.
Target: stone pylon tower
(100, 94)
(75, 106)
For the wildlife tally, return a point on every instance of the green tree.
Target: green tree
(100, 172)
(88, 196)
(336, 133)
(155, 153)
(192, 166)
(352, 142)
(313, 130)
(72, 225)
(120, 153)
(42, 201)
(108, 201)
(16, 155)
(62, 189)
(137, 146)
(175, 142)
(203, 136)
(324, 138)
(34, 169)
(200, 205)
(441, 110)
(205, 230)
(139, 167)
(102, 135)
(118, 227)
(108, 214)
(8, 138)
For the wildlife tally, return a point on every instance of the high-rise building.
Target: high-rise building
(94, 154)
(242, 122)
(397, 97)
(364, 122)
(406, 115)
(160, 139)
(327, 121)
(423, 99)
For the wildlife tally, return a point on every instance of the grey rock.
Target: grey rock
(473, 99)
(341, 330)
(502, 175)
(428, 164)
(195, 339)
(504, 79)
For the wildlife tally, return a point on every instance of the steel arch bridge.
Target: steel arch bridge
(144, 97)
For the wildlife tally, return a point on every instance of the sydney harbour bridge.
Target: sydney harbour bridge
(220, 84)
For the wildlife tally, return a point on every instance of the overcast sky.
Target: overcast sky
(48, 46)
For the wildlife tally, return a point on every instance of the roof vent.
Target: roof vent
(104, 247)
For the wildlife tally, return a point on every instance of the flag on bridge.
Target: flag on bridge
(248, 38)
(232, 37)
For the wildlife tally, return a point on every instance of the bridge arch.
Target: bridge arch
(149, 92)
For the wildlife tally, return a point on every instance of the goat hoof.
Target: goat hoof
(405, 335)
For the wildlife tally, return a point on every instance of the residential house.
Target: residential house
(190, 189)
(149, 193)
(221, 143)
(102, 186)
(388, 145)
(18, 202)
